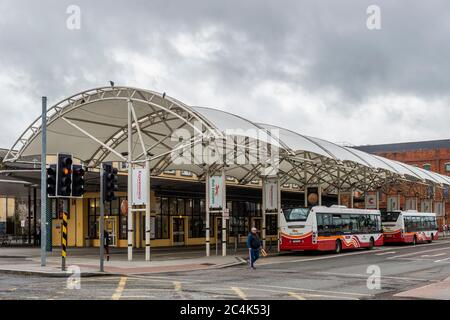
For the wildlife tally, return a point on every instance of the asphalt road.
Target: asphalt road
(291, 276)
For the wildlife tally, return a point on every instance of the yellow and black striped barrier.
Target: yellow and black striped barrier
(64, 241)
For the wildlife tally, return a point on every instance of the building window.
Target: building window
(272, 224)
(186, 173)
(111, 209)
(58, 206)
(196, 216)
(447, 167)
(427, 166)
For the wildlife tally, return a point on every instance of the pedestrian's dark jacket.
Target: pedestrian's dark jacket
(253, 241)
(106, 238)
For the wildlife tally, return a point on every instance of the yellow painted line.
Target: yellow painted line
(120, 287)
(312, 290)
(177, 286)
(306, 294)
(239, 293)
(296, 296)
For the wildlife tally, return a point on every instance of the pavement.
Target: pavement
(27, 261)
(403, 272)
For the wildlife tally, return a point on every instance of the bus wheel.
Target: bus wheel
(371, 244)
(338, 247)
(431, 239)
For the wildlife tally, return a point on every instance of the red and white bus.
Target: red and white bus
(329, 229)
(409, 226)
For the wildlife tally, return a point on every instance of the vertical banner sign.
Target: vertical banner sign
(392, 203)
(425, 206)
(371, 201)
(410, 204)
(139, 187)
(64, 241)
(215, 192)
(271, 196)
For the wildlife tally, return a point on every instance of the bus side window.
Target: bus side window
(407, 224)
(328, 227)
(354, 224)
(337, 224)
(319, 217)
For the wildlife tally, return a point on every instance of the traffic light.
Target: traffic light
(51, 180)
(77, 180)
(109, 181)
(64, 175)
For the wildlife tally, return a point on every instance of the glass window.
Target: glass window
(180, 211)
(173, 206)
(296, 214)
(337, 223)
(165, 206)
(447, 167)
(345, 218)
(271, 225)
(354, 224)
(115, 207)
(389, 216)
(327, 224)
(427, 166)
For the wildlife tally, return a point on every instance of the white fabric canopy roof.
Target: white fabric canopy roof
(102, 113)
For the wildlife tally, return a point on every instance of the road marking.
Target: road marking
(119, 289)
(433, 255)
(365, 276)
(239, 293)
(12, 289)
(296, 296)
(313, 290)
(306, 294)
(177, 286)
(383, 253)
(417, 252)
(333, 256)
(442, 260)
(137, 297)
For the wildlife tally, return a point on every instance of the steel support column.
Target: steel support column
(129, 187)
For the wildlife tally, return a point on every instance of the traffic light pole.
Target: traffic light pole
(102, 214)
(44, 182)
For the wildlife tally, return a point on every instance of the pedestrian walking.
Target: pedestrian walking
(106, 244)
(253, 245)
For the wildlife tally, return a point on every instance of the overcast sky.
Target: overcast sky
(311, 66)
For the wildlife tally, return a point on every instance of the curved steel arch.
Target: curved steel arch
(101, 94)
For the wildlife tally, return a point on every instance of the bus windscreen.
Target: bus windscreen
(296, 214)
(389, 216)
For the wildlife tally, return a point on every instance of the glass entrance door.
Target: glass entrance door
(110, 226)
(178, 231)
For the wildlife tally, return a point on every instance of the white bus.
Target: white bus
(329, 228)
(409, 226)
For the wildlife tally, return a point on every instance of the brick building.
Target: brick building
(430, 155)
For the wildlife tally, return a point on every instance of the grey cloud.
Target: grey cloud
(311, 46)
